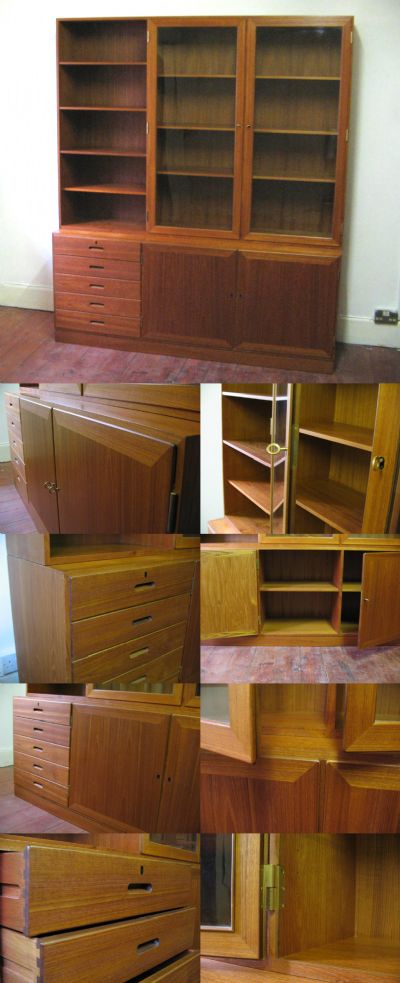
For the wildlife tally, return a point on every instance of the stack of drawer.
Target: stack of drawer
(97, 285)
(140, 909)
(129, 624)
(42, 739)
(16, 445)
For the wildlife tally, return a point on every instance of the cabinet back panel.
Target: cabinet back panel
(102, 41)
(103, 131)
(298, 565)
(320, 891)
(350, 467)
(287, 155)
(292, 207)
(79, 207)
(356, 404)
(103, 86)
(388, 702)
(298, 51)
(196, 102)
(351, 607)
(305, 522)
(300, 698)
(292, 605)
(81, 170)
(352, 569)
(293, 105)
(194, 202)
(378, 887)
(191, 150)
(246, 419)
(196, 50)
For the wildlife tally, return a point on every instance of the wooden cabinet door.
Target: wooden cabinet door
(117, 762)
(110, 478)
(229, 593)
(37, 435)
(286, 303)
(361, 797)
(179, 806)
(273, 793)
(372, 718)
(380, 599)
(189, 295)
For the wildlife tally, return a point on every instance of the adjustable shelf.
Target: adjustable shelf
(340, 433)
(336, 504)
(260, 493)
(255, 449)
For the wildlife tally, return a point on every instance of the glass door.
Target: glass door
(294, 130)
(196, 130)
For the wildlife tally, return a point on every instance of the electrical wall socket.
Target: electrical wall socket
(8, 663)
(385, 316)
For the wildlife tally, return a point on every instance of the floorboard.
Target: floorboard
(18, 816)
(14, 516)
(225, 664)
(29, 353)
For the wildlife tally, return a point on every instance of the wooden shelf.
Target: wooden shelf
(227, 392)
(351, 586)
(259, 492)
(338, 506)
(103, 152)
(364, 954)
(297, 626)
(284, 177)
(189, 172)
(107, 189)
(256, 450)
(245, 525)
(105, 109)
(104, 225)
(193, 75)
(303, 78)
(300, 587)
(340, 433)
(191, 126)
(95, 63)
(324, 133)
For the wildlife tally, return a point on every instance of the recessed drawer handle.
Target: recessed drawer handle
(140, 887)
(146, 583)
(40, 729)
(138, 621)
(96, 286)
(95, 266)
(38, 709)
(38, 785)
(151, 944)
(95, 303)
(96, 247)
(96, 322)
(134, 655)
(39, 767)
(36, 746)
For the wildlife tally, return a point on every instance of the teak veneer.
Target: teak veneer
(202, 185)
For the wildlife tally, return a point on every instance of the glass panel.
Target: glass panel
(196, 107)
(388, 703)
(217, 866)
(180, 841)
(215, 704)
(295, 130)
(136, 686)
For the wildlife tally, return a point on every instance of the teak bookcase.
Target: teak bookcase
(300, 758)
(309, 458)
(202, 184)
(327, 906)
(302, 590)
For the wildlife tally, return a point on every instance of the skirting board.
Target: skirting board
(352, 330)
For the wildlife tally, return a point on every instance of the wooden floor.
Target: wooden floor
(17, 816)
(14, 517)
(227, 664)
(29, 353)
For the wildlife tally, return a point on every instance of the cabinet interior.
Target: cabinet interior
(301, 591)
(294, 710)
(336, 430)
(342, 901)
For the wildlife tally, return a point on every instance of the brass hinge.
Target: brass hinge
(272, 887)
(347, 135)
(351, 37)
(148, 36)
(147, 127)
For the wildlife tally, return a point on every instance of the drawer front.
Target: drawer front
(95, 266)
(95, 286)
(12, 403)
(100, 593)
(38, 769)
(37, 709)
(97, 305)
(42, 730)
(102, 247)
(39, 786)
(98, 325)
(105, 630)
(14, 423)
(18, 465)
(163, 648)
(16, 445)
(116, 952)
(42, 750)
(20, 485)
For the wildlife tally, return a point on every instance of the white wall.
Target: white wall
(7, 692)
(211, 487)
(6, 387)
(7, 643)
(370, 273)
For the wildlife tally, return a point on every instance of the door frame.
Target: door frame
(238, 738)
(245, 940)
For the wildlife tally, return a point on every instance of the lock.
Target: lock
(378, 463)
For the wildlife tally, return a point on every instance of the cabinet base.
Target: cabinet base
(288, 641)
(71, 817)
(278, 360)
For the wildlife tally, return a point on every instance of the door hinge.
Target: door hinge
(272, 887)
(172, 511)
(347, 136)
(148, 36)
(147, 126)
(351, 37)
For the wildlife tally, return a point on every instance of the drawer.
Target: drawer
(107, 953)
(97, 266)
(16, 445)
(97, 305)
(42, 730)
(18, 465)
(105, 630)
(104, 247)
(163, 648)
(11, 402)
(14, 423)
(73, 886)
(38, 768)
(42, 750)
(97, 286)
(20, 485)
(57, 712)
(41, 787)
(182, 969)
(101, 592)
(128, 327)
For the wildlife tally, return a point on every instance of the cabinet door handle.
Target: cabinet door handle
(138, 621)
(151, 944)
